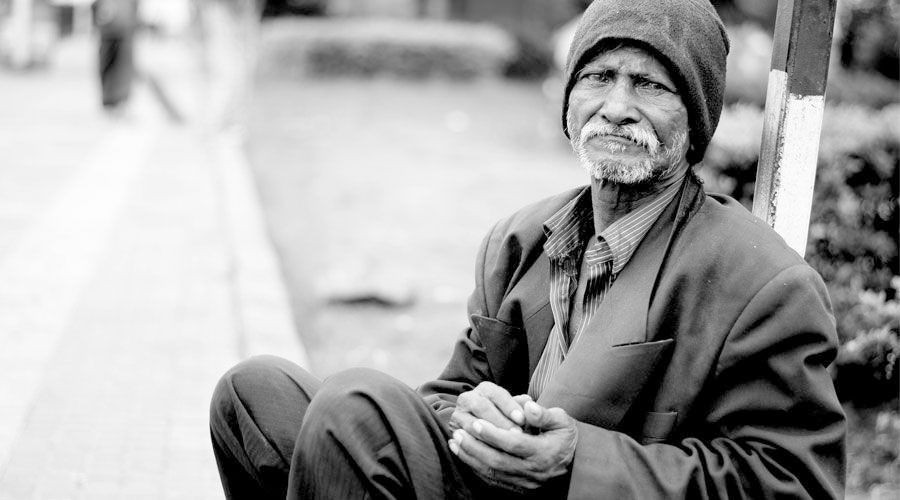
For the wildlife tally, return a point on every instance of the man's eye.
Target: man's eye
(651, 85)
(601, 77)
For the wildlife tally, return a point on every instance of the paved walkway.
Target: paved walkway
(134, 270)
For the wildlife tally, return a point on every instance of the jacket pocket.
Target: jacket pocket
(600, 387)
(657, 426)
(492, 326)
(506, 352)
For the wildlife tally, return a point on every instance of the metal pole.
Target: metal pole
(795, 102)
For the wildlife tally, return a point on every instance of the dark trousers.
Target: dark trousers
(277, 432)
(116, 64)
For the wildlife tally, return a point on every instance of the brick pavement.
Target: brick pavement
(134, 269)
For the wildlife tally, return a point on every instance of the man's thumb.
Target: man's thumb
(544, 418)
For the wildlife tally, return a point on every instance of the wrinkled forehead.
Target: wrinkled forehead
(633, 50)
(628, 58)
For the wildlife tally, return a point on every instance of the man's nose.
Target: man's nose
(618, 105)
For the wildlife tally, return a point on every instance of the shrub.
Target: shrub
(873, 464)
(852, 77)
(867, 36)
(867, 367)
(532, 60)
(747, 74)
(391, 47)
(730, 162)
(859, 87)
(853, 240)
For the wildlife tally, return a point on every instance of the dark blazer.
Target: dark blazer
(702, 375)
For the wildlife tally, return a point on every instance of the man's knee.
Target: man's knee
(355, 396)
(245, 382)
(364, 381)
(367, 425)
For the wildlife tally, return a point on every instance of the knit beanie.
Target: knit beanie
(686, 35)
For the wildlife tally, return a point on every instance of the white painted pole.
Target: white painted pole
(795, 103)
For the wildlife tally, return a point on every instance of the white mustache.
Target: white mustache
(639, 135)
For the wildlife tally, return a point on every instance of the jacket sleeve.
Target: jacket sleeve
(468, 365)
(770, 424)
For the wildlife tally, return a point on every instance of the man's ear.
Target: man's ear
(569, 118)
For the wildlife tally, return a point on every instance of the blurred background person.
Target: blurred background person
(117, 21)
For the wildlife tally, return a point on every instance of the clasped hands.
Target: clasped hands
(511, 441)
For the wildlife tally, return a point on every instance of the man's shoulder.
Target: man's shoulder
(517, 241)
(728, 229)
(528, 221)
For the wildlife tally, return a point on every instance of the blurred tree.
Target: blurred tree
(871, 36)
(272, 8)
(531, 23)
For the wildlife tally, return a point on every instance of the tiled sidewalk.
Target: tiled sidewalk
(134, 270)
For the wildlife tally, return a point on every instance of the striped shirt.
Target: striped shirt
(595, 269)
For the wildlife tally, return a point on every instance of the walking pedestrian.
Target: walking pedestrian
(117, 22)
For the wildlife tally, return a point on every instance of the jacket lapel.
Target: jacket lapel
(537, 317)
(599, 380)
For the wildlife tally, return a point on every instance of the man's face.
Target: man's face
(627, 122)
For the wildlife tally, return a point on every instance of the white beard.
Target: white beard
(662, 160)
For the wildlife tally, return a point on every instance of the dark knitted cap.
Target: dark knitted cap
(687, 36)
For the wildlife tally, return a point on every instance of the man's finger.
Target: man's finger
(480, 406)
(543, 418)
(467, 448)
(503, 401)
(477, 465)
(522, 399)
(513, 441)
(499, 463)
(461, 419)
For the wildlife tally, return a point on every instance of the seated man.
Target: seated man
(634, 338)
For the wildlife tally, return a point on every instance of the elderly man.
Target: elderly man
(635, 338)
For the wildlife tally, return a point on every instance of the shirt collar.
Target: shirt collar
(572, 225)
(624, 235)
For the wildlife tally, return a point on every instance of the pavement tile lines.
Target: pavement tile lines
(121, 303)
(44, 276)
(128, 382)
